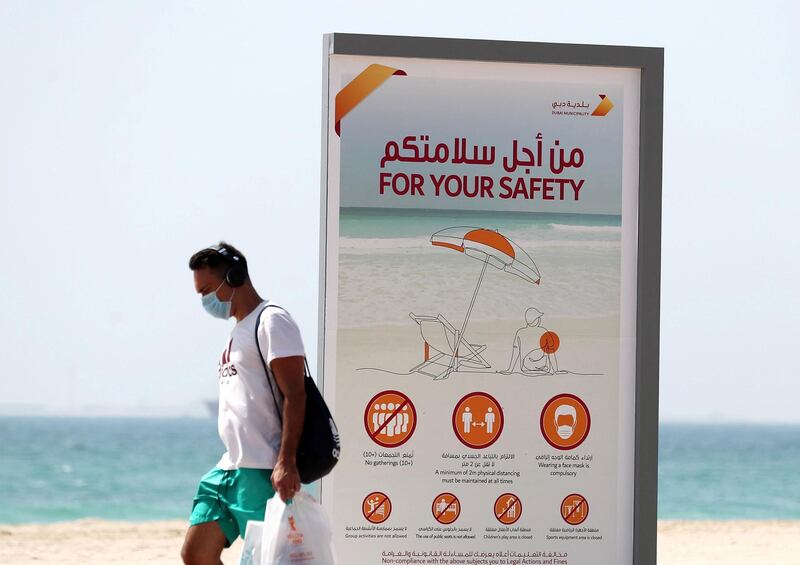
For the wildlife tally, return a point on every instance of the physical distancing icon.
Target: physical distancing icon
(565, 421)
(478, 420)
(446, 508)
(574, 509)
(376, 507)
(507, 508)
(390, 418)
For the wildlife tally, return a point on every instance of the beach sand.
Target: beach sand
(767, 542)
(399, 347)
(90, 542)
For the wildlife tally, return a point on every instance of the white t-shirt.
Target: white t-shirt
(248, 422)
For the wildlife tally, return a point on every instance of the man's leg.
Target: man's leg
(533, 362)
(247, 499)
(212, 527)
(203, 544)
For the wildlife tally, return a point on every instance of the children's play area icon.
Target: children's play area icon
(565, 421)
(478, 420)
(390, 418)
(507, 508)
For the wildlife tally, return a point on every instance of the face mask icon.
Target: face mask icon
(565, 418)
(565, 421)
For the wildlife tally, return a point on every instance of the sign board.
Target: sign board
(490, 299)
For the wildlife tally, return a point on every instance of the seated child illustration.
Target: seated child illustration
(527, 348)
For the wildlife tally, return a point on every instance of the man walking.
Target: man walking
(260, 457)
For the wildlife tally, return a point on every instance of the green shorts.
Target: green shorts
(231, 498)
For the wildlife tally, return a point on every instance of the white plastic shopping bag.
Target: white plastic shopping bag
(296, 533)
(251, 551)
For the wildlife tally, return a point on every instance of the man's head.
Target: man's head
(533, 317)
(218, 272)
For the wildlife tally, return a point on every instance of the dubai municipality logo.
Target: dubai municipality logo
(604, 107)
(581, 108)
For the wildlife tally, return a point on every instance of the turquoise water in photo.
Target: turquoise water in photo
(59, 469)
(409, 223)
(386, 257)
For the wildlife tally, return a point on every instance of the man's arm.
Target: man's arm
(552, 363)
(288, 372)
(515, 350)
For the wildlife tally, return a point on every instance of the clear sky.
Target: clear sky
(134, 133)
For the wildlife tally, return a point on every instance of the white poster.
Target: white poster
(479, 310)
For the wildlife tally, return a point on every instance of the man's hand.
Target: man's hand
(286, 479)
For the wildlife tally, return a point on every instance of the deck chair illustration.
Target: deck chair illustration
(441, 356)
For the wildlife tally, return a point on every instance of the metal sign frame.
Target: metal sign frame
(650, 62)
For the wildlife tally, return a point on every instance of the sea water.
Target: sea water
(729, 472)
(389, 268)
(127, 469)
(58, 469)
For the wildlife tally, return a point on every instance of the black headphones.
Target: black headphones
(237, 272)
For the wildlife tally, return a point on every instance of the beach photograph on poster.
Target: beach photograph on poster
(478, 267)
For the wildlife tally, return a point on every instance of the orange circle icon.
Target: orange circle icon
(390, 418)
(446, 508)
(549, 342)
(478, 420)
(507, 508)
(565, 421)
(574, 509)
(376, 507)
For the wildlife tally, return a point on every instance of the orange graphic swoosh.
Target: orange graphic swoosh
(359, 88)
(604, 107)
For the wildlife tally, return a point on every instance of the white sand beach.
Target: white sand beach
(687, 542)
(95, 542)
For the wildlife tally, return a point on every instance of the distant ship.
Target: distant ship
(213, 407)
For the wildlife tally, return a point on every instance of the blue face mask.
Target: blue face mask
(217, 307)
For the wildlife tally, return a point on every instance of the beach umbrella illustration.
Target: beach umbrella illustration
(490, 247)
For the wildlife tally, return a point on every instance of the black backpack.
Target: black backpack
(319, 448)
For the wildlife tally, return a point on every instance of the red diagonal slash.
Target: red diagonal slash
(575, 509)
(389, 419)
(377, 507)
(509, 507)
(452, 502)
